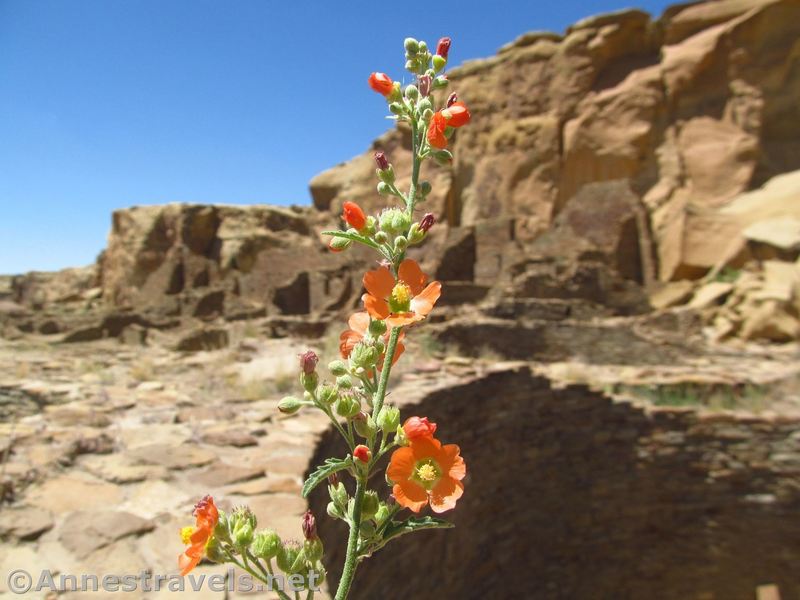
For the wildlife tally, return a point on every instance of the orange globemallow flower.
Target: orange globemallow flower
(359, 324)
(197, 537)
(402, 301)
(381, 83)
(455, 115)
(426, 472)
(353, 215)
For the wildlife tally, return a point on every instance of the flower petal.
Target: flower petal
(451, 462)
(347, 341)
(401, 319)
(410, 495)
(359, 322)
(423, 303)
(376, 307)
(410, 274)
(445, 494)
(401, 466)
(379, 282)
(425, 447)
(186, 563)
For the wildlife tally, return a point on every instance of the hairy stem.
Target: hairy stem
(391, 349)
(351, 562)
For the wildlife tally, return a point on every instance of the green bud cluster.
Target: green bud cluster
(241, 527)
(418, 57)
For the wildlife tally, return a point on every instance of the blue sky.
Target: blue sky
(110, 103)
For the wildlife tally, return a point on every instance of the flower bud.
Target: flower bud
(419, 428)
(427, 222)
(439, 62)
(308, 361)
(363, 355)
(396, 108)
(364, 425)
(338, 494)
(370, 504)
(214, 551)
(222, 530)
(289, 405)
(381, 83)
(443, 157)
(424, 188)
(400, 437)
(333, 511)
(411, 45)
(427, 115)
(384, 189)
(377, 327)
(287, 557)
(443, 47)
(333, 479)
(337, 244)
(440, 82)
(386, 176)
(382, 514)
(400, 243)
(394, 221)
(313, 550)
(266, 544)
(362, 454)
(309, 525)
(388, 419)
(367, 529)
(395, 95)
(452, 99)
(412, 65)
(425, 105)
(242, 526)
(415, 236)
(425, 85)
(309, 381)
(381, 160)
(344, 382)
(337, 367)
(327, 394)
(353, 215)
(412, 93)
(347, 406)
(423, 48)
(381, 237)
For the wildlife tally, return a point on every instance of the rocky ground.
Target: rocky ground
(106, 446)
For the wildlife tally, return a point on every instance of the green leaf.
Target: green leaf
(330, 466)
(352, 236)
(396, 529)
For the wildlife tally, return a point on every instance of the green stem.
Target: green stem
(281, 594)
(394, 336)
(351, 560)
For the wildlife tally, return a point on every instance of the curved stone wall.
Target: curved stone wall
(573, 495)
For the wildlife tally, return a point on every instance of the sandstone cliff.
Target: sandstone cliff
(605, 171)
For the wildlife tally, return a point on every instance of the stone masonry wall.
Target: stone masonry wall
(573, 495)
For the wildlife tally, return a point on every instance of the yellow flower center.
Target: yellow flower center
(426, 472)
(401, 294)
(186, 534)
